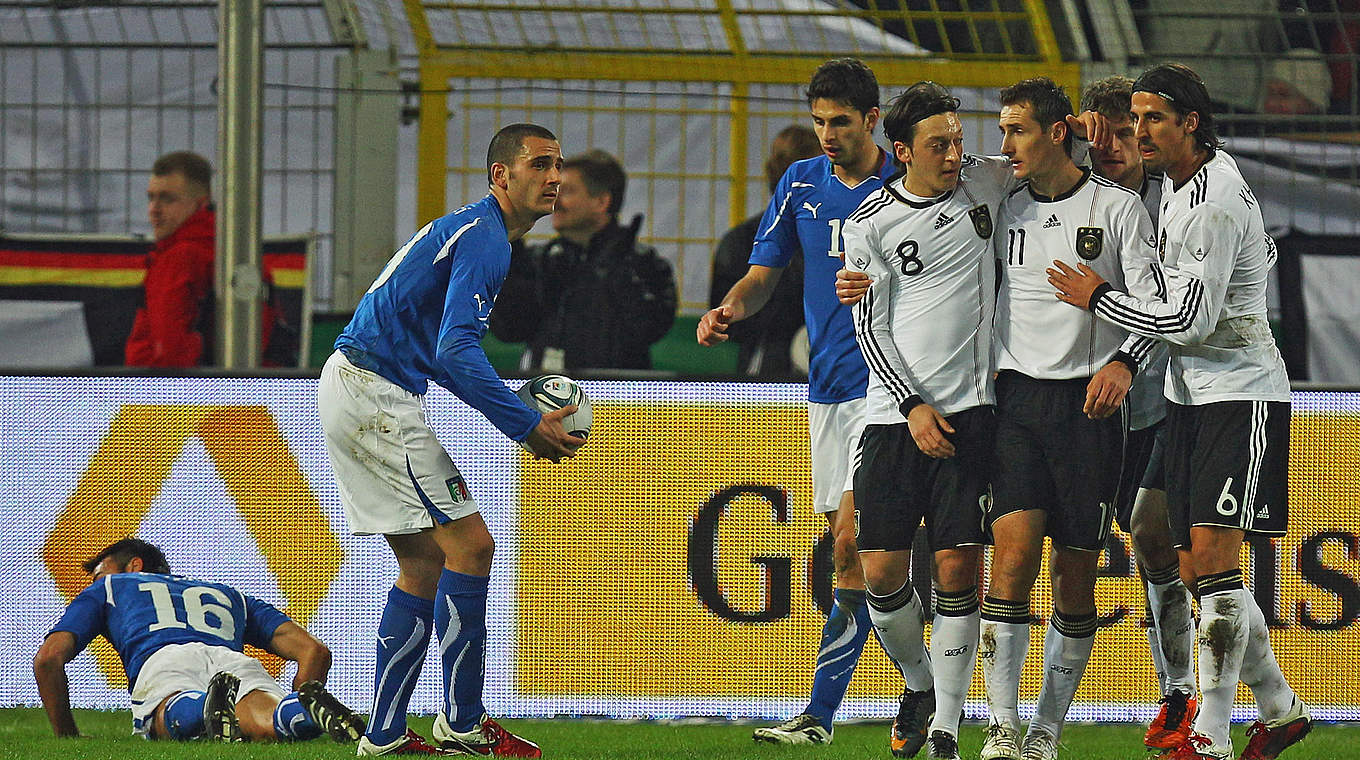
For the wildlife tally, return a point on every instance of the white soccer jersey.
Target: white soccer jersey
(1097, 223)
(1215, 256)
(1147, 397)
(925, 325)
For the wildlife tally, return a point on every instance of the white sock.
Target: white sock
(900, 626)
(1155, 651)
(1002, 644)
(1223, 629)
(1175, 620)
(953, 651)
(1067, 650)
(1260, 671)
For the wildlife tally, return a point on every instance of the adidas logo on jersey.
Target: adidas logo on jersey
(1052, 222)
(943, 220)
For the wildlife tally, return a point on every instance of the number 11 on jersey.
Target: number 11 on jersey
(837, 245)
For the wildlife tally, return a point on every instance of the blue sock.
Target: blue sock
(184, 715)
(292, 723)
(460, 619)
(403, 637)
(843, 637)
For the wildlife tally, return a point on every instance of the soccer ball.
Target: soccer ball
(548, 393)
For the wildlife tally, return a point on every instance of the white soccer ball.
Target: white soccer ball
(548, 393)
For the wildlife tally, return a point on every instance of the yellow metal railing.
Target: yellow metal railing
(729, 47)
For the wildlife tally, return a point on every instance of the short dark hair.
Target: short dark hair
(919, 101)
(508, 142)
(123, 550)
(602, 173)
(193, 167)
(793, 143)
(1048, 101)
(1180, 86)
(845, 80)
(1110, 97)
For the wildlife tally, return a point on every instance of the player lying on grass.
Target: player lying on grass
(181, 643)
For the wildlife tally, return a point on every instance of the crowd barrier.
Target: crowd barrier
(674, 568)
(78, 294)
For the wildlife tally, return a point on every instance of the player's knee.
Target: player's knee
(255, 711)
(884, 578)
(421, 572)
(956, 569)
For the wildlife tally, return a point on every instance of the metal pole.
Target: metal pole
(240, 75)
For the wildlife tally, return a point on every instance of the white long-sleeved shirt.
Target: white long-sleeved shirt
(925, 325)
(1147, 397)
(1097, 223)
(1215, 257)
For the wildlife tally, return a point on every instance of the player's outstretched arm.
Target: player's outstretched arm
(292, 642)
(549, 440)
(49, 669)
(745, 298)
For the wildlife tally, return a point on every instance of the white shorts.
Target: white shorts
(835, 430)
(189, 667)
(393, 474)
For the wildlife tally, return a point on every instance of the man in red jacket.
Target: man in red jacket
(179, 275)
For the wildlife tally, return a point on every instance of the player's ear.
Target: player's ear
(902, 152)
(871, 119)
(134, 565)
(500, 175)
(1191, 121)
(1058, 132)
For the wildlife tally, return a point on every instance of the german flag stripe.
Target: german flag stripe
(74, 276)
(10, 257)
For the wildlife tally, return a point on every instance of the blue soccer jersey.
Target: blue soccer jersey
(805, 215)
(424, 317)
(141, 612)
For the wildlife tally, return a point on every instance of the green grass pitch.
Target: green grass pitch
(24, 734)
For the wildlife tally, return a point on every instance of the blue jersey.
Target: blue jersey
(424, 317)
(809, 207)
(141, 612)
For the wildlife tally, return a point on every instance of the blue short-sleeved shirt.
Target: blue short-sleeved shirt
(805, 215)
(141, 612)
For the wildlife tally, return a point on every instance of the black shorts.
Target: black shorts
(1050, 456)
(1227, 464)
(1142, 469)
(896, 485)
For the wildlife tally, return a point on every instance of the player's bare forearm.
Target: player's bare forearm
(750, 294)
(293, 642)
(49, 670)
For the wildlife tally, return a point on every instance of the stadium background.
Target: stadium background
(375, 118)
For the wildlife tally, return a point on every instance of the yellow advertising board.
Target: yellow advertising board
(676, 559)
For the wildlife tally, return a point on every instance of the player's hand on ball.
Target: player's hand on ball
(712, 328)
(851, 286)
(928, 428)
(549, 440)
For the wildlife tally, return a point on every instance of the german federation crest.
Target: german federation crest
(1090, 242)
(982, 221)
